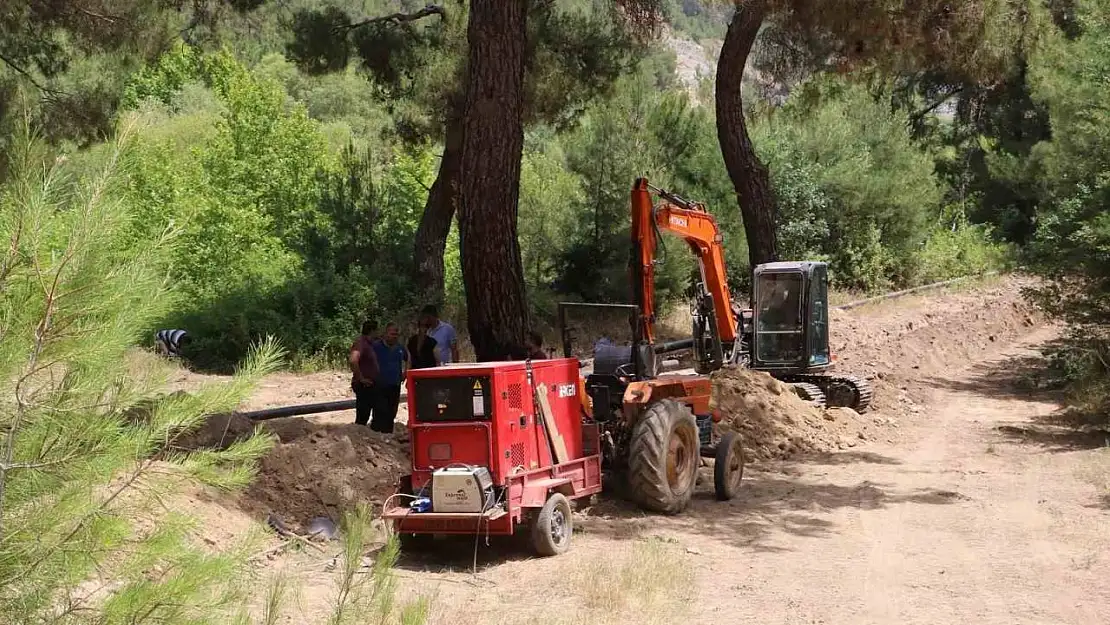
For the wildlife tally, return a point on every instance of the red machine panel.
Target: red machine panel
(486, 414)
(560, 378)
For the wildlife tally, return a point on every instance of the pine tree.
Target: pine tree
(87, 445)
(971, 38)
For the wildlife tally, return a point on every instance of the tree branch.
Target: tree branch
(26, 74)
(397, 18)
(916, 117)
(98, 16)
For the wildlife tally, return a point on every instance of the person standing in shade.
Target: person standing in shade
(364, 370)
(447, 344)
(422, 349)
(534, 345)
(391, 356)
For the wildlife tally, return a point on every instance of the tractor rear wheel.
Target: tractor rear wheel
(728, 466)
(663, 457)
(553, 526)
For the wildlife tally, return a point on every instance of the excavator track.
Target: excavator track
(836, 388)
(810, 392)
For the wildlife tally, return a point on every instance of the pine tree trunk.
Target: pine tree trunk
(493, 141)
(435, 224)
(750, 177)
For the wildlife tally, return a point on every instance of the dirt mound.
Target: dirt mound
(323, 469)
(774, 422)
(903, 345)
(314, 469)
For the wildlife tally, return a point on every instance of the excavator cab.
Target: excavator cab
(790, 317)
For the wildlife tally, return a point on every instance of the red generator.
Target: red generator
(497, 446)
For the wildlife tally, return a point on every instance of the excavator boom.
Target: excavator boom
(698, 228)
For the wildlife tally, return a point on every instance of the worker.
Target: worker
(170, 342)
(421, 348)
(391, 357)
(534, 344)
(364, 370)
(447, 344)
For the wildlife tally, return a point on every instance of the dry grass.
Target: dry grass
(643, 582)
(654, 572)
(649, 583)
(1095, 470)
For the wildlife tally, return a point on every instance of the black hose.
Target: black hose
(302, 409)
(674, 346)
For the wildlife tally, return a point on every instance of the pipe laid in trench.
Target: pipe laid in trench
(296, 411)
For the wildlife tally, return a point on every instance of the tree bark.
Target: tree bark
(493, 142)
(435, 224)
(750, 177)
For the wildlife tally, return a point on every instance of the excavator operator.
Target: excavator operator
(779, 324)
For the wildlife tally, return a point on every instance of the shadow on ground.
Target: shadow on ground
(771, 501)
(1062, 431)
(783, 497)
(1025, 377)
(1029, 378)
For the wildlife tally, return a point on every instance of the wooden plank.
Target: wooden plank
(398, 512)
(557, 441)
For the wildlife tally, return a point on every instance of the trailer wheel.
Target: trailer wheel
(728, 466)
(552, 527)
(663, 457)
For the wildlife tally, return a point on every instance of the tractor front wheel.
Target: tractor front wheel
(663, 457)
(728, 466)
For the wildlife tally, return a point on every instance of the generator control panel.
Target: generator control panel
(462, 398)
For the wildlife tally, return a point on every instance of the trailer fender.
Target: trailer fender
(536, 493)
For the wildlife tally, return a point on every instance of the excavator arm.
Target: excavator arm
(698, 228)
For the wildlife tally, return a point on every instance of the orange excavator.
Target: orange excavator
(786, 333)
(654, 426)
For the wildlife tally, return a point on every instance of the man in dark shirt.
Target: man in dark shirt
(391, 358)
(364, 370)
(422, 349)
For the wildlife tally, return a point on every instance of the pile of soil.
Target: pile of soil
(775, 423)
(904, 345)
(314, 469)
(324, 469)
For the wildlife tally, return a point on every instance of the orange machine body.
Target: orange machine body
(692, 223)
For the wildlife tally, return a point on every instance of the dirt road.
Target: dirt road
(984, 512)
(965, 496)
(965, 523)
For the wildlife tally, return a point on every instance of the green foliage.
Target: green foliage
(607, 156)
(1072, 243)
(955, 247)
(370, 598)
(283, 236)
(88, 448)
(1068, 178)
(697, 19)
(857, 190)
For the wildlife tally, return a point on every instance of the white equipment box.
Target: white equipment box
(462, 489)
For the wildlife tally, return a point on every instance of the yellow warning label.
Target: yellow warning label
(477, 385)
